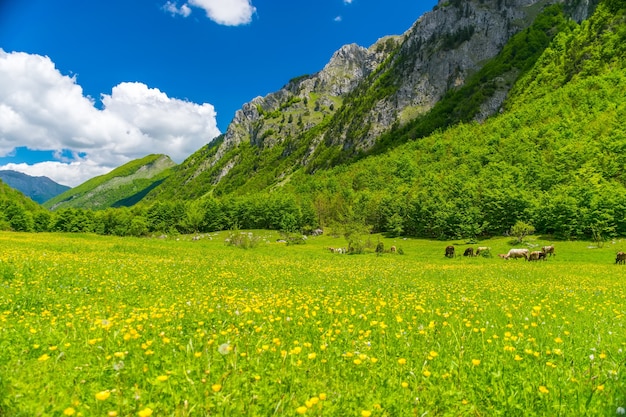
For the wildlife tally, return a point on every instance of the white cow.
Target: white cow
(517, 253)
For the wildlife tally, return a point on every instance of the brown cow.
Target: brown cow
(536, 255)
(620, 258)
(449, 251)
(548, 250)
(469, 252)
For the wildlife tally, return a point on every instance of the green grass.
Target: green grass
(103, 326)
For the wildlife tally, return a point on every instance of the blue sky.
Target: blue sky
(86, 86)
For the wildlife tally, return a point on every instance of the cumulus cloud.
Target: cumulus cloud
(347, 1)
(44, 110)
(337, 19)
(223, 12)
(174, 10)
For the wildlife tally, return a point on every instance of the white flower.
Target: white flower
(591, 357)
(621, 411)
(224, 348)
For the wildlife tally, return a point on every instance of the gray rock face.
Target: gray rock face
(347, 68)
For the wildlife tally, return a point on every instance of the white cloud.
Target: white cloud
(337, 19)
(44, 110)
(347, 1)
(171, 7)
(227, 12)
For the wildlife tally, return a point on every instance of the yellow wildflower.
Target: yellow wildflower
(146, 412)
(103, 395)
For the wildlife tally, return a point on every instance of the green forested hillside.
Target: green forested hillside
(20, 213)
(556, 158)
(124, 186)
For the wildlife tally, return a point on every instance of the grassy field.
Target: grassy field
(102, 326)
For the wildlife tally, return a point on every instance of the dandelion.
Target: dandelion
(543, 389)
(301, 410)
(475, 362)
(69, 411)
(558, 340)
(433, 354)
(312, 355)
(600, 387)
(357, 361)
(224, 348)
(146, 412)
(216, 387)
(103, 395)
(404, 384)
(366, 413)
(112, 413)
(162, 378)
(44, 357)
(322, 396)
(402, 361)
(426, 373)
(518, 358)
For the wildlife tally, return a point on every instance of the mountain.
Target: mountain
(534, 134)
(457, 63)
(39, 189)
(124, 186)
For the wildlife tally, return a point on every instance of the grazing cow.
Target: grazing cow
(469, 252)
(536, 255)
(337, 250)
(485, 250)
(517, 253)
(620, 258)
(548, 250)
(450, 251)
(503, 255)
(392, 249)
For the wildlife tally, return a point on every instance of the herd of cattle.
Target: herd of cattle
(536, 255)
(523, 253)
(513, 253)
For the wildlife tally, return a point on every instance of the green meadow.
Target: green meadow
(106, 326)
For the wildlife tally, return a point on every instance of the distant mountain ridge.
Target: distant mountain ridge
(124, 186)
(39, 189)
